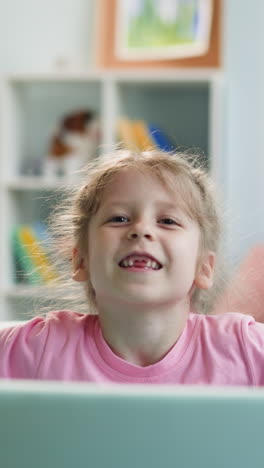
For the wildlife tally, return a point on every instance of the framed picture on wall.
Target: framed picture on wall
(122, 40)
(162, 29)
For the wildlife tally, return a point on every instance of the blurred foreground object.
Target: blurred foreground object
(245, 292)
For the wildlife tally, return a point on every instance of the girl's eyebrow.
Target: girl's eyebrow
(162, 205)
(116, 203)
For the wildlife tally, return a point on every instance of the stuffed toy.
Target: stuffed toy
(73, 144)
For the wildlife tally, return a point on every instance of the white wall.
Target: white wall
(244, 61)
(34, 34)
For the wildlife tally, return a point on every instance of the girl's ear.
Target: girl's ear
(80, 272)
(205, 272)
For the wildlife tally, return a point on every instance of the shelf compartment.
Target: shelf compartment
(37, 107)
(181, 110)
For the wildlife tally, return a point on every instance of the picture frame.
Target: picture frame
(162, 29)
(105, 37)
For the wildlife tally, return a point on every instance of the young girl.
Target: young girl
(144, 235)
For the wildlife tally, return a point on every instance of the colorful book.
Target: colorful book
(42, 235)
(161, 140)
(143, 138)
(126, 133)
(31, 257)
(25, 268)
(38, 255)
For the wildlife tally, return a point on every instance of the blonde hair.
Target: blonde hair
(70, 220)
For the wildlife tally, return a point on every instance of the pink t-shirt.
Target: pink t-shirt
(223, 349)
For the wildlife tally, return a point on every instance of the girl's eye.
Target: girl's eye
(118, 219)
(169, 222)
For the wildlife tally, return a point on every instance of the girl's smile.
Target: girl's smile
(140, 261)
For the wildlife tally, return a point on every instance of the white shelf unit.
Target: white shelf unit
(187, 104)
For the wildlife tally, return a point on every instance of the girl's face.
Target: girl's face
(142, 247)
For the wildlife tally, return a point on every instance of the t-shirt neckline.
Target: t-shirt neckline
(124, 370)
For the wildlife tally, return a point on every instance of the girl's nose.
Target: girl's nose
(138, 233)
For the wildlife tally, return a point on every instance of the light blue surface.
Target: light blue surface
(79, 425)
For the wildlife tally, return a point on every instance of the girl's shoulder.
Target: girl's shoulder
(69, 317)
(65, 322)
(232, 342)
(226, 319)
(22, 346)
(59, 323)
(230, 326)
